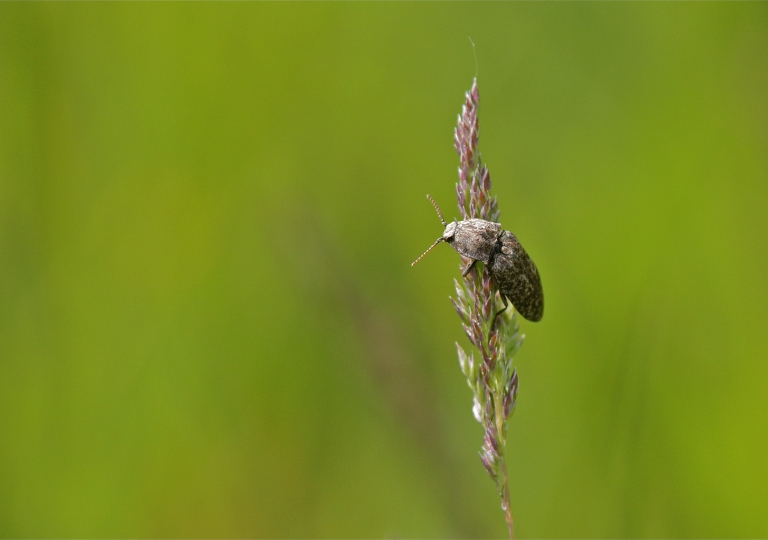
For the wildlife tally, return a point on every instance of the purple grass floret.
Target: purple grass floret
(490, 374)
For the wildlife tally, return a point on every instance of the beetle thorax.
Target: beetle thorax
(473, 238)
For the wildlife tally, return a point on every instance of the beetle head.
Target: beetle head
(450, 230)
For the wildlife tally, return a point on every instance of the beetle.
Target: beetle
(510, 266)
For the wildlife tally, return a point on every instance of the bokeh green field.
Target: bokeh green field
(208, 322)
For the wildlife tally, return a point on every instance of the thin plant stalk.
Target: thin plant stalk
(488, 367)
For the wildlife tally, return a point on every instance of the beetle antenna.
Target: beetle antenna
(439, 213)
(430, 249)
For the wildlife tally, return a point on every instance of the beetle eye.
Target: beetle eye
(450, 230)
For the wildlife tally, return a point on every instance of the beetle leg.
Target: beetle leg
(506, 305)
(468, 268)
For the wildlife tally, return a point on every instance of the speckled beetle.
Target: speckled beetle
(510, 266)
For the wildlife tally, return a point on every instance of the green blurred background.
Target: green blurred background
(208, 322)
